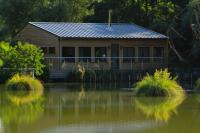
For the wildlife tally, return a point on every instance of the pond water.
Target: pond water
(67, 108)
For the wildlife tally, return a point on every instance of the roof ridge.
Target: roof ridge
(79, 23)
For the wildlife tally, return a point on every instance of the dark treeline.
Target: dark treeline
(178, 19)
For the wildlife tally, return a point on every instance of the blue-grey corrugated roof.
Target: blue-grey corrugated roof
(98, 30)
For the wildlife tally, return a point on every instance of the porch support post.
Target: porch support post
(166, 54)
(151, 55)
(76, 54)
(136, 54)
(120, 57)
(92, 54)
(60, 60)
(109, 55)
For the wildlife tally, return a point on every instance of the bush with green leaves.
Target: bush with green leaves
(90, 75)
(1, 63)
(78, 72)
(161, 83)
(21, 56)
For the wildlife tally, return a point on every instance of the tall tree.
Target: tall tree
(191, 20)
(15, 13)
(149, 13)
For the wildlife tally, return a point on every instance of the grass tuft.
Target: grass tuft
(161, 83)
(24, 82)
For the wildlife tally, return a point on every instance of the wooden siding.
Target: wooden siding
(39, 37)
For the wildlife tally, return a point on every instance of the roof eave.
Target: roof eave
(95, 38)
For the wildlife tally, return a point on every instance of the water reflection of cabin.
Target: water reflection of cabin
(97, 45)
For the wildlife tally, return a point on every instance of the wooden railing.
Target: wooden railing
(99, 63)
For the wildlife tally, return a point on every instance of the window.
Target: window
(45, 50)
(158, 52)
(144, 54)
(52, 50)
(85, 52)
(49, 50)
(128, 54)
(100, 52)
(69, 53)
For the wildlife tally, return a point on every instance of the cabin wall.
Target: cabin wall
(41, 38)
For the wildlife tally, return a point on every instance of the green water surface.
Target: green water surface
(76, 109)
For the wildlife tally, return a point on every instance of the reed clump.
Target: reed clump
(24, 82)
(161, 83)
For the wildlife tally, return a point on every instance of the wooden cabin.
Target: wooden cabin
(116, 46)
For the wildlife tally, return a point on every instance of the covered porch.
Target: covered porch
(112, 57)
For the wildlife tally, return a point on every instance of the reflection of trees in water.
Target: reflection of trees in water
(21, 107)
(160, 109)
(197, 97)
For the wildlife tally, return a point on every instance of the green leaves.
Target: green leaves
(15, 14)
(22, 56)
(1, 63)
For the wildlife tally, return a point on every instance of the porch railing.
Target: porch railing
(12, 71)
(98, 63)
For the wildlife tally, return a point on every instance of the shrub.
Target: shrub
(90, 75)
(159, 84)
(5, 75)
(1, 63)
(197, 85)
(46, 74)
(78, 72)
(23, 82)
(22, 55)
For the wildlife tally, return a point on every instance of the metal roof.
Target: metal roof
(98, 30)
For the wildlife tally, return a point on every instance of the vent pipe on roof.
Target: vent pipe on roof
(109, 18)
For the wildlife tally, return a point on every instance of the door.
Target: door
(115, 56)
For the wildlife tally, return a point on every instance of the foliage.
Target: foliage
(197, 85)
(160, 109)
(46, 74)
(24, 82)
(90, 75)
(16, 14)
(146, 13)
(22, 56)
(1, 63)
(78, 72)
(159, 84)
(192, 18)
(159, 15)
